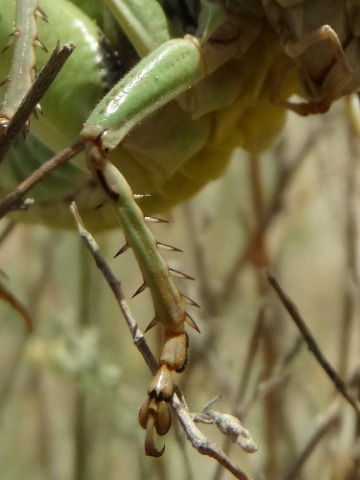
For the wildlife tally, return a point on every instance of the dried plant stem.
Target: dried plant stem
(7, 230)
(252, 352)
(327, 422)
(41, 84)
(258, 256)
(351, 287)
(15, 198)
(9, 298)
(81, 463)
(201, 443)
(312, 344)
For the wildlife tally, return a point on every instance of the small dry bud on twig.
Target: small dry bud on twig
(228, 424)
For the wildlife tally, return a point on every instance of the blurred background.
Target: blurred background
(70, 391)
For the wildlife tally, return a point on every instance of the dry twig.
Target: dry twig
(37, 91)
(15, 199)
(312, 344)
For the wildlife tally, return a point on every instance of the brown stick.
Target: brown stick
(15, 199)
(294, 313)
(41, 84)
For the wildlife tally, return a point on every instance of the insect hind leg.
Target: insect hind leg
(332, 84)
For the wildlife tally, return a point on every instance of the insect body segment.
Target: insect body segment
(321, 36)
(169, 304)
(159, 78)
(146, 28)
(23, 68)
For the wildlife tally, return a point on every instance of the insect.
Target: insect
(324, 50)
(187, 92)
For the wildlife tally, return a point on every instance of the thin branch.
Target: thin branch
(201, 443)
(7, 230)
(328, 421)
(41, 84)
(15, 199)
(330, 418)
(311, 342)
(194, 435)
(115, 286)
(351, 286)
(9, 298)
(252, 351)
